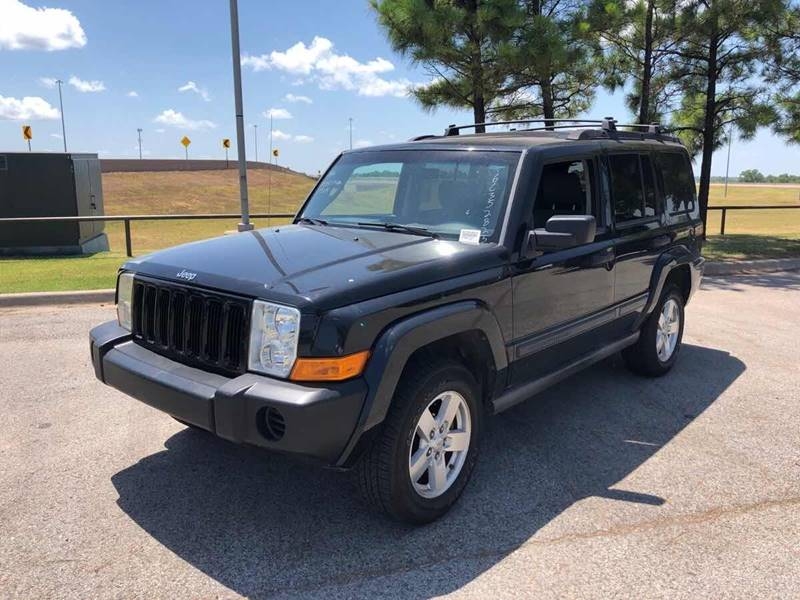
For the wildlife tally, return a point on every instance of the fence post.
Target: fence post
(128, 249)
(722, 222)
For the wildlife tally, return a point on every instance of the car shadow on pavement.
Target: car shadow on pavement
(264, 524)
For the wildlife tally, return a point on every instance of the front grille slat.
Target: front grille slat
(191, 325)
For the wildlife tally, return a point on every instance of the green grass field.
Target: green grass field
(749, 234)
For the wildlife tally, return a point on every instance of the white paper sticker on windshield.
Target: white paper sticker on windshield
(470, 236)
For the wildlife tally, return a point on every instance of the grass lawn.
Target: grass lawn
(749, 234)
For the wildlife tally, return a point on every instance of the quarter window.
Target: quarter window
(564, 189)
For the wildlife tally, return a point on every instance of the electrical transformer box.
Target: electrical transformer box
(51, 185)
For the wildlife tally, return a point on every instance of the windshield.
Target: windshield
(442, 192)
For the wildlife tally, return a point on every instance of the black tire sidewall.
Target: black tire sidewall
(652, 330)
(406, 500)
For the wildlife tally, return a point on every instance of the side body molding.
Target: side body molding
(398, 342)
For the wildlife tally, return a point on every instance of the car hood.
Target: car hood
(323, 266)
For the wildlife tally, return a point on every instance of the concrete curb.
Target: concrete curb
(45, 298)
(752, 266)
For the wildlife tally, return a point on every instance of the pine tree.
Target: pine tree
(465, 45)
(722, 46)
(554, 74)
(783, 73)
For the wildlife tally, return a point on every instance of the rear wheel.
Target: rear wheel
(419, 465)
(660, 339)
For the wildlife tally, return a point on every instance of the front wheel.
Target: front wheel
(660, 338)
(419, 465)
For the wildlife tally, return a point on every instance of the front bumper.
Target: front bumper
(318, 421)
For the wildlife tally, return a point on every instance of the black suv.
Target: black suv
(422, 287)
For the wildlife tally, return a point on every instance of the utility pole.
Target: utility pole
(351, 132)
(245, 224)
(139, 131)
(728, 163)
(61, 105)
(255, 138)
(269, 169)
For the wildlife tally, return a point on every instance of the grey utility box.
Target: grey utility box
(51, 185)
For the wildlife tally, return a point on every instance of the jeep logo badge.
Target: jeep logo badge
(187, 275)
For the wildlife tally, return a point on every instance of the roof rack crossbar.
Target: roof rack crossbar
(454, 129)
(608, 124)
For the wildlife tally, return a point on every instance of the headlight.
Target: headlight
(125, 300)
(274, 330)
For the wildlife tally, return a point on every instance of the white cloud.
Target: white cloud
(362, 143)
(331, 71)
(191, 86)
(296, 98)
(86, 86)
(48, 82)
(23, 27)
(132, 94)
(160, 130)
(56, 135)
(277, 113)
(173, 118)
(303, 139)
(277, 134)
(29, 108)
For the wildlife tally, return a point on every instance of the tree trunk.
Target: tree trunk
(548, 112)
(647, 67)
(479, 112)
(709, 119)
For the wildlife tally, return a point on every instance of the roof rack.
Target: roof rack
(589, 128)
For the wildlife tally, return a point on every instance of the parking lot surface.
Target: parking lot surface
(605, 485)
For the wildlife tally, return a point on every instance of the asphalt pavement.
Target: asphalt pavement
(607, 485)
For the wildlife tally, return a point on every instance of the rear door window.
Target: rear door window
(649, 187)
(678, 182)
(626, 187)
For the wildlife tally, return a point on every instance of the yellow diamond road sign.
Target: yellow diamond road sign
(226, 143)
(186, 141)
(27, 132)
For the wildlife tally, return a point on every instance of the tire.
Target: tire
(648, 356)
(385, 471)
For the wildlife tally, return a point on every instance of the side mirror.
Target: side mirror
(562, 231)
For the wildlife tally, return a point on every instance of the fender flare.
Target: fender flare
(669, 260)
(401, 339)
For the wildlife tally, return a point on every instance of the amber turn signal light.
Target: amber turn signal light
(329, 369)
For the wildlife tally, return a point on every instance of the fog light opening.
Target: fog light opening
(271, 423)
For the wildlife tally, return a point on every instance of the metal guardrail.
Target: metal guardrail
(126, 219)
(725, 210)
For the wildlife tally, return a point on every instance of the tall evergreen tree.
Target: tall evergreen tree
(783, 73)
(636, 39)
(722, 45)
(465, 45)
(554, 75)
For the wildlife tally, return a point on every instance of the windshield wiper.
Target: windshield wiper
(312, 221)
(398, 227)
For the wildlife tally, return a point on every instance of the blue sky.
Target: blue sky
(320, 61)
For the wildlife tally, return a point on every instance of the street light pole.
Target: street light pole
(61, 105)
(269, 169)
(245, 224)
(351, 132)
(139, 131)
(255, 138)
